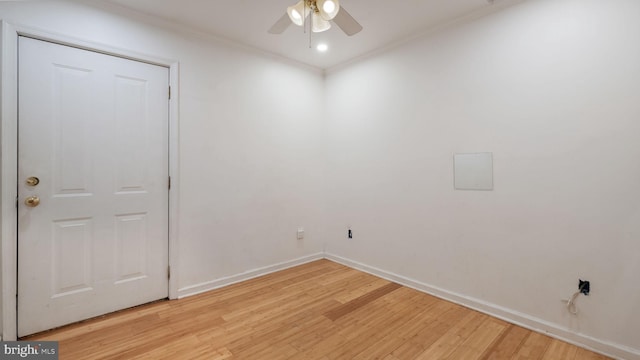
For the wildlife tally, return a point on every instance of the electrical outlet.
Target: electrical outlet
(300, 233)
(584, 286)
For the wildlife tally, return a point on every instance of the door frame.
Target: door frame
(9, 34)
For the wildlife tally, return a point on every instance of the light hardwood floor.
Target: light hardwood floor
(320, 310)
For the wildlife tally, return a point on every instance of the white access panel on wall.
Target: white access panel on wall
(473, 171)
(92, 184)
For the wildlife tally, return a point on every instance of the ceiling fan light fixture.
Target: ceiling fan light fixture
(298, 12)
(328, 8)
(295, 15)
(318, 24)
(321, 11)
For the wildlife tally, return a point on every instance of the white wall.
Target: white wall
(552, 88)
(251, 142)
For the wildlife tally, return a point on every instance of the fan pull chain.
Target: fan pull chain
(311, 11)
(304, 18)
(310, 26)
(310, 23)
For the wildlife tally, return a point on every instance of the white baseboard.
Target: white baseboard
(529, 322)
(218, 283)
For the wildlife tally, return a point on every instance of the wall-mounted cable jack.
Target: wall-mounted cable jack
(584, 287)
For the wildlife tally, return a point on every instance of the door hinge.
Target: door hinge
(169, 182)
(168, 272)
(169, 92)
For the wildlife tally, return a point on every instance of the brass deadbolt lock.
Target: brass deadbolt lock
(32, 181)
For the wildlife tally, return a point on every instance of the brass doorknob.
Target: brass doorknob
(32, 201)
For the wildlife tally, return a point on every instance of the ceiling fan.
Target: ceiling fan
(321, 11)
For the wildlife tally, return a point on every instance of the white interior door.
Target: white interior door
(93, 131)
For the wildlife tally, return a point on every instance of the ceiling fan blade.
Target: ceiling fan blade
(346, 22)
(281, 25)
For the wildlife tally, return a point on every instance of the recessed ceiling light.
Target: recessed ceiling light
(322, 47)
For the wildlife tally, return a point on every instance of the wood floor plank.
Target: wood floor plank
(373, 334)
(363, 300)
(477, 342)
(353, 328)
(320, 310)
(282, 327)
(560, 350)
(456, 334)
(446, 315)
(409, 321)
(533, 348)
(583, 354)
(391, 357)
(358, 290)
(507, 345)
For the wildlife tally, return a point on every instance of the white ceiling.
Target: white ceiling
(247, 21)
